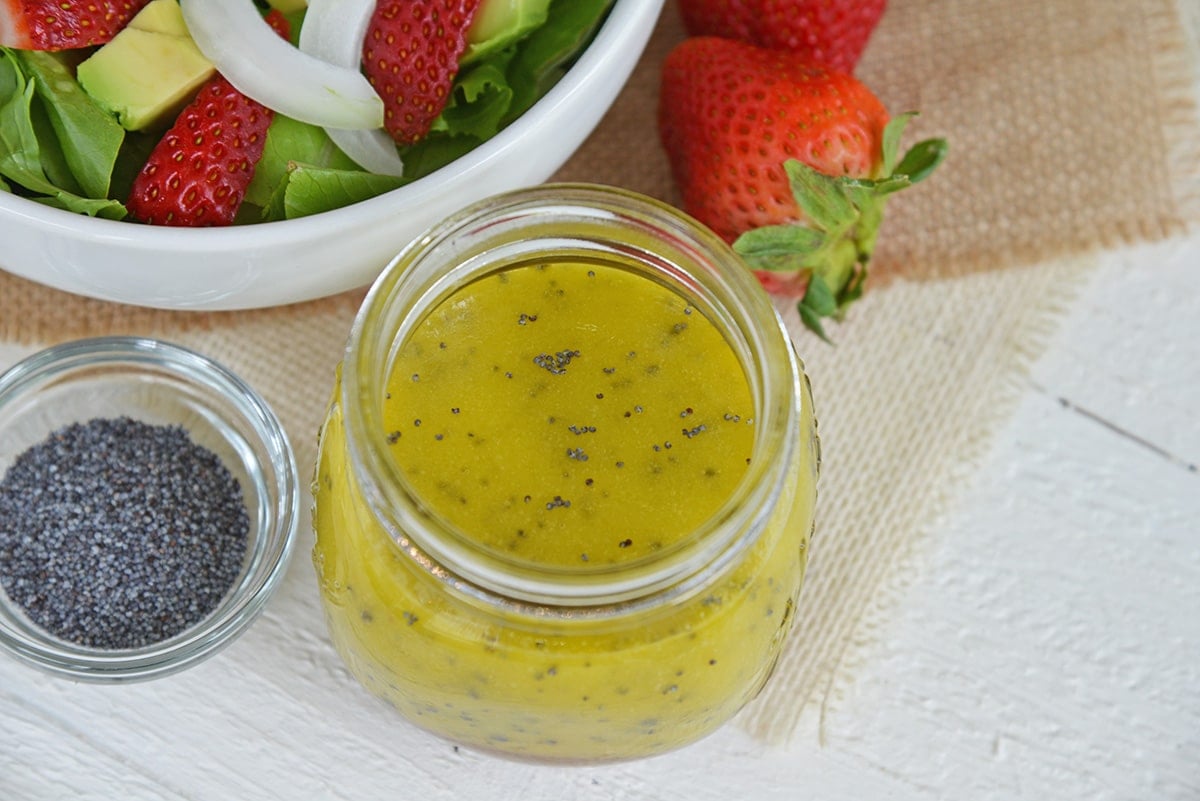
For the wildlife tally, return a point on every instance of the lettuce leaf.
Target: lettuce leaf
(310, 189)
(481, 98)
(289, 141)
(550, 50)
(41, 141)
(504, 28)
(477, 107)
(87, 135)
(20, 159)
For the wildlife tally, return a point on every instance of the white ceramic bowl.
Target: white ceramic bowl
(294, 260)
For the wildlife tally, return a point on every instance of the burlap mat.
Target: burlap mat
(1072, 127)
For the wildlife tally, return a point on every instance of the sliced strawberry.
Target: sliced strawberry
(410, 56)
(198, 172)
(63, 24)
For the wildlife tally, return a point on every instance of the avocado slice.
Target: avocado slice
(149, 71)
(499, 23)
(160, 17)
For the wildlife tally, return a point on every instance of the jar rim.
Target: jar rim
(420, 277)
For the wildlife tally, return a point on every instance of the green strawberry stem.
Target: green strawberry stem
(841, 217)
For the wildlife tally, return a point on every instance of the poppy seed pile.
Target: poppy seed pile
(116, 533)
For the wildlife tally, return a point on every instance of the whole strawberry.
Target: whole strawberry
(830, 32)
(63, 24)
(789, 161)
(198, 172)
(410, 56)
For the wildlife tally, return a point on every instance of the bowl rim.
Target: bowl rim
(281, 511)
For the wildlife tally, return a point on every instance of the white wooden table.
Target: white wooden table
(1049, 648)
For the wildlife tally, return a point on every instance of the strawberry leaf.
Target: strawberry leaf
(860, 190)
(812, 321)
(892, 133)
(818, 302)
(922, 159)
(853, 290)
(779, 247)
(820, 197)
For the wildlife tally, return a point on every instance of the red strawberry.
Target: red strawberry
(198, 172)
(410, 56)
(63, 24)
(789, 161)
(731, 19)
(831, 32)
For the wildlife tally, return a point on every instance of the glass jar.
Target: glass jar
(616, 642)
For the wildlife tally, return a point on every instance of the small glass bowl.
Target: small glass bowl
(159, 384)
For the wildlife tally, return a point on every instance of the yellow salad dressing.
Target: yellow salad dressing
(576, 418)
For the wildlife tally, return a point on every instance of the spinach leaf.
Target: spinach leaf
(87, 135)
(20, 156)
(480, 100)
(288, 141)
(544, 57)
(24, 162)
(93, 207)
(434, 152)
(311, 189)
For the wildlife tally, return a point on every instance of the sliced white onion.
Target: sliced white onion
(336, 27)
(333, 32)
(265, 67)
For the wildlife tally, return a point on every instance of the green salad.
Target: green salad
(60, 147)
